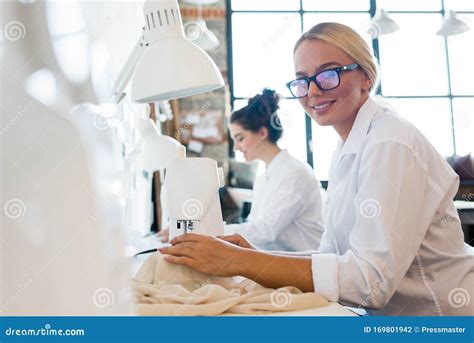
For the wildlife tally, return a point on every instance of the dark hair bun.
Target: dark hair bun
(266, 103)
(261, 111)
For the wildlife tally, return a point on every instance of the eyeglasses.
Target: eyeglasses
(325, 80)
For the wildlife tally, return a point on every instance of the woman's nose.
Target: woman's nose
(314, 90)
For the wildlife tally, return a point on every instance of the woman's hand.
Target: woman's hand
(205, 254)
(237, 240)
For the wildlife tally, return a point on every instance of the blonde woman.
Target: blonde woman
(393, 242)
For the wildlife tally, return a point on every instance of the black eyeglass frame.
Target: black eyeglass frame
(308, 79)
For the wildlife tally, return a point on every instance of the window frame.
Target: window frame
(376, 49)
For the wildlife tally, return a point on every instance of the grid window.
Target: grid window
(252, 5)
(464, 125)
(264, 59)
(461, 55)
(431, 116)
(413, 59)
(410, 5)
(336, 5)
(292, 120)
(426, 77)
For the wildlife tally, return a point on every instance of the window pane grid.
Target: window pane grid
(447, 96)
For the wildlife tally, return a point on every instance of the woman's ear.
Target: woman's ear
(263, 132)
(366, 82)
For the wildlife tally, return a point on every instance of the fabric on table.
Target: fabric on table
(165, 289)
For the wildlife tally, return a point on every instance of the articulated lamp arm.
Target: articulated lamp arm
(127, 70)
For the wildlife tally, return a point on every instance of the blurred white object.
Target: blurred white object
(201, 2)
(164, 64)
(67, 28)
(62, 220)
(192, 193)
(452, 25)
(197, 32)
(159, 150)
(382, 24)
(67, 165)
(195, 146)
(240, 195)
(41, 85)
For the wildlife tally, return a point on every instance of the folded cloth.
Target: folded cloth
(165, 289)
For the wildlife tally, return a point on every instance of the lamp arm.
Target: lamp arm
(127, 70)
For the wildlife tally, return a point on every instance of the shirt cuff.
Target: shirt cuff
(325, 275)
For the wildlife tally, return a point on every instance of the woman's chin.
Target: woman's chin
(321, 120)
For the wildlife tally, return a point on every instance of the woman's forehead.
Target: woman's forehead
(236, 128)
(314, 52)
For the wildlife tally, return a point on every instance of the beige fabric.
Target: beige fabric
(164, 289)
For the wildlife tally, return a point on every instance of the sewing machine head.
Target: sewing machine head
(192, 195)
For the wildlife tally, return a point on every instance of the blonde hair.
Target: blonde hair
(350, 42)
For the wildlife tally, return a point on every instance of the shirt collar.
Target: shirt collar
(276, 162)
(360, 128)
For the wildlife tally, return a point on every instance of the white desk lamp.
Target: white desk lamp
(164, 64)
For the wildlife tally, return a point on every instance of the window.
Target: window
(292, 120)
(424, 76)
(67, 29)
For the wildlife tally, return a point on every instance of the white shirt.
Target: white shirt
(286, 207)
(393, 241)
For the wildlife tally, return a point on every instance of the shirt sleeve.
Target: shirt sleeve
(326, 245)
(394, 206)
(287, 203)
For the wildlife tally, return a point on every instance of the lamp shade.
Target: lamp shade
(382, 24)
(452, 25)
(171, 66)
(197, 32)
(158, 149)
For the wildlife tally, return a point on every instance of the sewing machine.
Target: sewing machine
(192, 186)
(190, 196)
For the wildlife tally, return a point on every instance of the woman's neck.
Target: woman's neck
(269, 152)
(344, 128)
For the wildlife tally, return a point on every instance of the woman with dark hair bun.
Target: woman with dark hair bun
(286, 204)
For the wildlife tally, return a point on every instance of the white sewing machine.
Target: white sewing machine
(190, 196)
(192, 186)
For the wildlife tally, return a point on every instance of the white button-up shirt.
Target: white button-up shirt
(393, 241)
(286, 207)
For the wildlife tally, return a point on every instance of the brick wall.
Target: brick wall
(218, 100)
